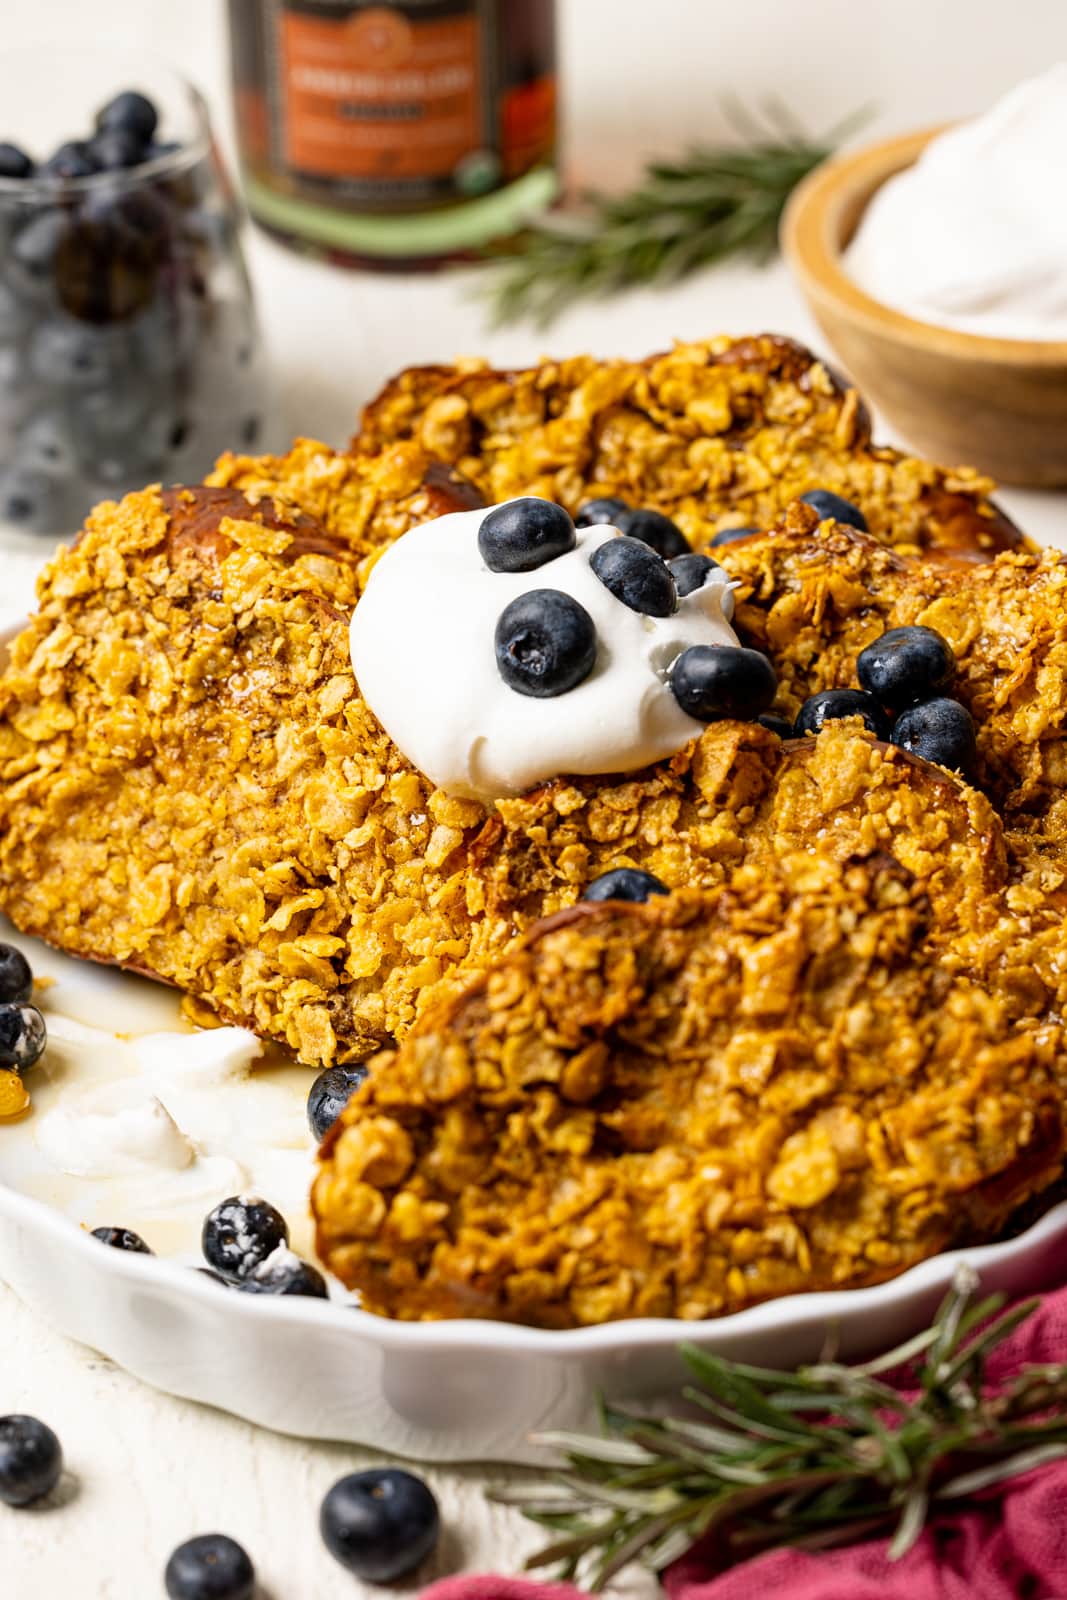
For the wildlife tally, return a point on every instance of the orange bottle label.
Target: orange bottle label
(377, 96)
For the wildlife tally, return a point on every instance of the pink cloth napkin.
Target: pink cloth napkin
(1011, 1547)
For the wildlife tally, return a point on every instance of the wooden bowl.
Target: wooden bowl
(997, 404)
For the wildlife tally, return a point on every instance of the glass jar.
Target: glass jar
(395, 135)
(129, 351)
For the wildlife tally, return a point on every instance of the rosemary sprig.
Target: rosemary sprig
(813, 1458)
(713, 202)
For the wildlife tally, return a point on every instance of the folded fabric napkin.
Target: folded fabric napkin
(1009, 1545)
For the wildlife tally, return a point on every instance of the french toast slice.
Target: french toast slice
(716, 434)
(683, 1108)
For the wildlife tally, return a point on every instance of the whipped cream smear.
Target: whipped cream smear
(423, 654)
(974, 236)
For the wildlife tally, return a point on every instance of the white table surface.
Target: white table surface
(640, 79)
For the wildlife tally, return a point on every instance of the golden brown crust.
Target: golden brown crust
(716, 434)
(689, 1106)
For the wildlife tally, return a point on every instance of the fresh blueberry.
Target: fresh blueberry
(830, 704)
(131, 112)
(607, 509)
(938, 730)
(75, 159)
(16, 978)
(779, 725)
(522, 535)
(729, 535)
(636, 575)
(545, 643)
(287, 1276)
(45, 444)
(657, 531)
(34, 249)
(31, 1460)
(721, 680)
(379, 1524)
(329, 1094)
(29, 500)
(690, 572)
(905, 665)
(22, 1036)
(115, 148)
(122, 1239)
(210, 1567)
(70, 355)
(625, 883)
(835, 507)
(241, 1233)
(14, 163)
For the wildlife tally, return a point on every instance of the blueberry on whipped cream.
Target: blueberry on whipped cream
(241, 1233)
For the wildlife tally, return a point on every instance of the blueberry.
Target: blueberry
(31, 1460)
(131, 112)
(690, 572)
(830, 704)
(28, 500)
(835, 507)
(545, 643)
(729, 535)
(721, 680)
(636, 575)
(14, 163)
(905, 665)
(35, 246)
(379, 1524)
(22, 1036)
(241, 1233)
(779, 725)
(122, 1239)
(522, 535)
(288, 1276)
(210, 1567)
(44, 444)
(75, 159)
(608, 509)
(115, 148)
(329, 1094)
(625, 883)
(938, 730)
(654, 529)
(67, 354)
(16, 978)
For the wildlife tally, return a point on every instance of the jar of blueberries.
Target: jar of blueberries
(129, 352)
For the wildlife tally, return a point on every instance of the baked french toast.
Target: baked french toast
(716, 434)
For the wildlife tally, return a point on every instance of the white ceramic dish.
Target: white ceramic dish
(451, 1391)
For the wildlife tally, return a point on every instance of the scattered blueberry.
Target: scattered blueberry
(379, 1524)
(654, 529)
(16, 978)
(241, 1233)
(939, 730)
(690, 572)
(830, 704)
(122, 1239)
(835, 507)
(287, 1276)
(905, 665)
(31, 1460)
(22, 1037)
(636, 575)
(131, 112)
(522, 535)
(75, 159)
(210, 1567)
(715, 681)
(729, 535)
(545, 643)
(608, 509)
(329, 1094)
(115, 148)
(14, 163)
(625, 883)
(779, 725)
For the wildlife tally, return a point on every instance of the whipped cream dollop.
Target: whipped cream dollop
(422, 643)
(974, 235)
